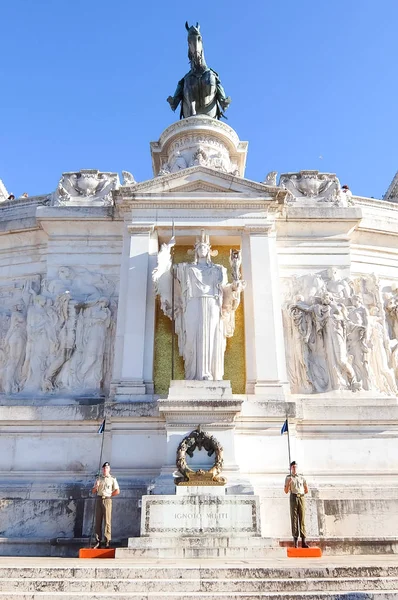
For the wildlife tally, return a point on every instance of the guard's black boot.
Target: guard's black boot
(304, 543)
(107, 544)
(295, 542)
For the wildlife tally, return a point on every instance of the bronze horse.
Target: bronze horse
(200, 91)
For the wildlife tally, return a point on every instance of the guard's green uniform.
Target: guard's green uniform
(103, 506)
(297, 504)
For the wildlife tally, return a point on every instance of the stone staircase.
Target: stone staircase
(201, 547)
(284, 579)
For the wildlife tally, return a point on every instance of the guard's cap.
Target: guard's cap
(293, 463)
(106, 464)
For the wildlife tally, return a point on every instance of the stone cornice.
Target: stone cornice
(376, 203)
(259, 229)
(22, 202)
(198, 122)
(140, 228)
(21, 207)
(196, 204)
(165, 180)
(323, 213)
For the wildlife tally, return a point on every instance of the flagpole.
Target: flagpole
(172, 306)
(288, 440)
(98, 472)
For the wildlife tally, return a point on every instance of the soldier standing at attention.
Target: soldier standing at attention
(297, 486)
(105, 487)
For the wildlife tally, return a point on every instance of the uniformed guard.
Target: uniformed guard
(297, 486)
(105, 487)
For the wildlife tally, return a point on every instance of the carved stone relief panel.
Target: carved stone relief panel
(337, 334)
(199, 141)
(87, 186)
(57, 334)
(199, 150)
(308, 187)
(390, 303)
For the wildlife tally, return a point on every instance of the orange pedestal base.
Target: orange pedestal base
(97, 553)
(313, 552)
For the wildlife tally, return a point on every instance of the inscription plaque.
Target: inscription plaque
(195, 515)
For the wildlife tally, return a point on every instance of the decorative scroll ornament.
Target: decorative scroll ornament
(270, 178)
(197, 440)
(128, 179)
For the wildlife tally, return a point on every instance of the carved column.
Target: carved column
(265, 352)
(135, 323)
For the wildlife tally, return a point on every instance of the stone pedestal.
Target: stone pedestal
(199, 141)
(212, 405)
(200, 522)
(200, 513)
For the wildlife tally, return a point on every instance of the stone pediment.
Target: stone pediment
(201, 180)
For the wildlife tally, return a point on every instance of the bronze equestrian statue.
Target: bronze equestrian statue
(200, 91)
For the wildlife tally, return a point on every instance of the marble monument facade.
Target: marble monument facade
(79, 323)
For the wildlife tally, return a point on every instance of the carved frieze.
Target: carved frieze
(336, 334)
(202, 141)
(199, 150)
(56, 334)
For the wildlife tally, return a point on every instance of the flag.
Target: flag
(101, 428)
(285, 427)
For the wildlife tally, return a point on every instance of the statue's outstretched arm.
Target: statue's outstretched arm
(175, 100)
(162, 277)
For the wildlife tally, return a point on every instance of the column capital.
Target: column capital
(140, 228)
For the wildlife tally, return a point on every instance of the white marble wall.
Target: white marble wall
(71, 268)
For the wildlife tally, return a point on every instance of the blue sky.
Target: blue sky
(84, 85)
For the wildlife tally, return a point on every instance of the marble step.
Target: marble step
(180, 552)
(198, 585)
(353, 595)
(105, 570)
(208, 541)
(211, 546)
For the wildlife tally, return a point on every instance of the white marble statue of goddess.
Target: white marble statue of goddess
(204, 306)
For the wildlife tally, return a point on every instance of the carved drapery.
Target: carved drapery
(234, 364)
(204, 306)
